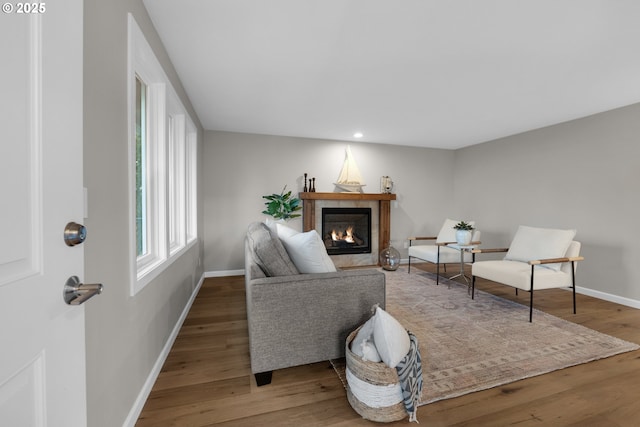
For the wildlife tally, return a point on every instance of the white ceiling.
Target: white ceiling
(445, 74)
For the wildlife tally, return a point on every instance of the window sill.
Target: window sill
(146, 276)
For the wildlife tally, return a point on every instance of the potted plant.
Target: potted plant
(282, 206)
(463, 232)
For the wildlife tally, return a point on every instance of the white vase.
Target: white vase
(463, 237)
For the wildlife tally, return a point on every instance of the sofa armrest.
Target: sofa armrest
(306, 318)
(317, 277)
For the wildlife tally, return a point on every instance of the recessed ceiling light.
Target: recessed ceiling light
(358, 135)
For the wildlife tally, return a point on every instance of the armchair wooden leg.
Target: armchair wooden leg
(263, 378)
(409, 269)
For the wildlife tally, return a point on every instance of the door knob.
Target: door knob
(75, 293)
(74, 234)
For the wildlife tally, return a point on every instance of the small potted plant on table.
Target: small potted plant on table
(463, 232)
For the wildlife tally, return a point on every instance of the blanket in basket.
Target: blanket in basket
(410, 374)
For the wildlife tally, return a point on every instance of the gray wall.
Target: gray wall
(124, 334)
(241, 168)
(583, 174)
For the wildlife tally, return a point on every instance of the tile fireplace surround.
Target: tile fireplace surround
(380, 204)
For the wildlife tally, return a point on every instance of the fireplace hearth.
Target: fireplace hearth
(346, 230)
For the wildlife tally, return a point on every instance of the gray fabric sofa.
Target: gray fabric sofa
(294, 318)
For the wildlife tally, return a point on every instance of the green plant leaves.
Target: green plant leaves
(462, 225)
(282, 206)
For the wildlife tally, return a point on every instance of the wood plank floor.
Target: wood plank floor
(207, 381)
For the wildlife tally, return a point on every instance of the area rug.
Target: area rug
(470, 345)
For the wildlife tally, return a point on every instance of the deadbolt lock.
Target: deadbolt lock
(74, 234)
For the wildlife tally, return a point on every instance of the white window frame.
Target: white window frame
(169, 172)
(177, 182)
(191, 191)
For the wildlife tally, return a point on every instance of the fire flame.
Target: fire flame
(347, 236)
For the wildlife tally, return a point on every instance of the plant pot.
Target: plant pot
(463, 237)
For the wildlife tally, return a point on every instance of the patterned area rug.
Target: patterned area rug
(470, 345)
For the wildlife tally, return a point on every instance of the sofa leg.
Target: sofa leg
(263, 378)
(409, 269)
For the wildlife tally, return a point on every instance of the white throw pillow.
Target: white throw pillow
(390, 337)
(363, 344)
(306, 250)
(273, 225)
(531, 243)
(282, 230)
(447, 232)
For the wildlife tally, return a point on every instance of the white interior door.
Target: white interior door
(42, 354)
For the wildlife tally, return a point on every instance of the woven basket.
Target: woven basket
(380, 379)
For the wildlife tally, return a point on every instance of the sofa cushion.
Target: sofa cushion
(531, 243)
(307, 250)
(268, 252)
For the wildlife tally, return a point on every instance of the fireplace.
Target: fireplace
(346, 230)
(380, 205)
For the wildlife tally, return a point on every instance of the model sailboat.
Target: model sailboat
(350, 179)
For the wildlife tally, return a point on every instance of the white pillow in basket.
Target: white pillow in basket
(390, 337)
(363, 344)
(306, 250)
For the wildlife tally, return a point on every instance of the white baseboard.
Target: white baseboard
(593, 293)
(223, 273)
(609, 297)
(138, 405)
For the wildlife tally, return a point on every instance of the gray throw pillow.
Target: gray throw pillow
(268, 252)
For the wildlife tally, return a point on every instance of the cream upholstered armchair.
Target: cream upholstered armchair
(437, 252)
(538, 258)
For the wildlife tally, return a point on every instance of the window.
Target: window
(141, 180)
(191, 194)
(177, 183)
(162, 146)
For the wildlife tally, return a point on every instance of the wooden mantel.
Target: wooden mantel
(384, 199)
